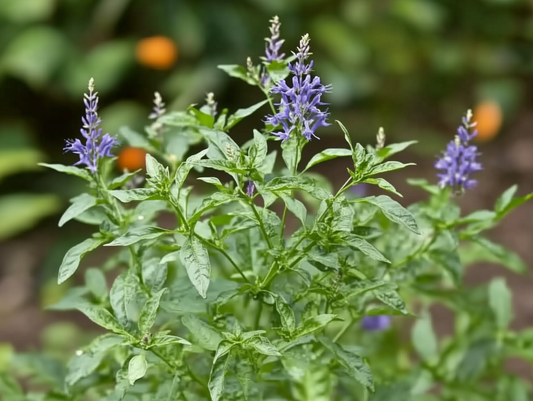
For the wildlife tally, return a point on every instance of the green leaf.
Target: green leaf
(383, 184)
(160, 340)
(79, 205)
(393, 211)
(393, 148)
(155, 170)
(96, 282)
(507, 258)
(207, 337)
(215, 200)
(137, 194)
(217, 376)
(73, 257)
(421, 183)
(194, 257)
(390, 297)
(135, 139)
(155, 274)
(137, 368)
(137, 234)
(149, 312)
(234, 119)
(10, 388)
(506, 203)
(362, 245)
(353, 364)
(295, 207)
(71, 170)
(346, 134)
(277, 70)
(291, 154)
(505, 199)
(286, 315)
(185, 168)
(259, 149)
(500, 301)
(203, 118)
(263, 346)
(102, 317)
(313, 324)
(424, 339)
(227, 166)
(359, 288)
(450, 261)
(325, 155)
(237, 71)
(388, 166)
(122, 179)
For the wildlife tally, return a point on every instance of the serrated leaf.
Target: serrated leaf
(73, 257)
(102, 317)
(207, 337)
(327, 154)
(137, 368)
(195, 258)
(263, 346)
(71, 170)
(364, 246)
(500, 301)
(313, 324)
(134, 195)
(353, 364)
(149, 312)
(393, 211)
(137, 234)
(79, 205)
(288, 321)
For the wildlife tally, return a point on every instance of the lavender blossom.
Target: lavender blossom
(376, 322)
(274, 43)
(159, 107)
(298, 109)
(250, 189)
(96, 146)
(459, 160)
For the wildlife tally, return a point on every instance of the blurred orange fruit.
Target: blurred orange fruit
(158, 52)
(489, 117)
(131, 159)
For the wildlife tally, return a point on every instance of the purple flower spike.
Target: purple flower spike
(459, 160)
(251, 189)
(274, 42)
(298, 108)
(96, 146)
(376, 322)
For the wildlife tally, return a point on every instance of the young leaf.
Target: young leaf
(102, 317)
(137, 194)
(356, 242)
(353, 364)
(149, 312)
(263, 346)
(383, 184)
(79, 205)
(160, 340)
(207, 337)
(388, 166)
(95, 281)
(313, 324)
(137, 368)
(500, 301)
(288, 321)
(393, 211)
(423, 338)
(185, 168)
(393, 148)
(137, 234)
(506, 203)
(217, 376)
(71, 170)
(122, 179)
(237, 71)
(72, 258)
(234, 119)
(325, 155)
(195, 258)
(203, 118)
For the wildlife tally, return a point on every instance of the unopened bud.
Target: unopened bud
(380, 139)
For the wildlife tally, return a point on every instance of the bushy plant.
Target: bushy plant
(228, 302)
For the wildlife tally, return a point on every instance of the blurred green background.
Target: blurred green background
(411, 66)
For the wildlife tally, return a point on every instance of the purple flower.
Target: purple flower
(250, 189)
(376, 322)
(96, 146)
(274, 42)
(459, 160)
(159, 107)
(298, 109)
(360, 190)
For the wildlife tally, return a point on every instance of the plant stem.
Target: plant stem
(258, 316)
(261, 225)
(343, 329)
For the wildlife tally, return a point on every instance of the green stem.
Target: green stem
(343, 329)
(268, 98)
(293, 172)
(261, 225)
(258, 316)
(156, 353)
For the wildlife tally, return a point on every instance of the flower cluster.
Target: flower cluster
(459, 159)
(96, 146)
(298, 109)
(274, 42)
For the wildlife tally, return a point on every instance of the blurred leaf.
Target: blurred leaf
(424, 339)
(18, 160)
(500, 301)
(137, 368)
(20, 212)
(34, 55)
(422, 14)
(123, 113)
(22, 11)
